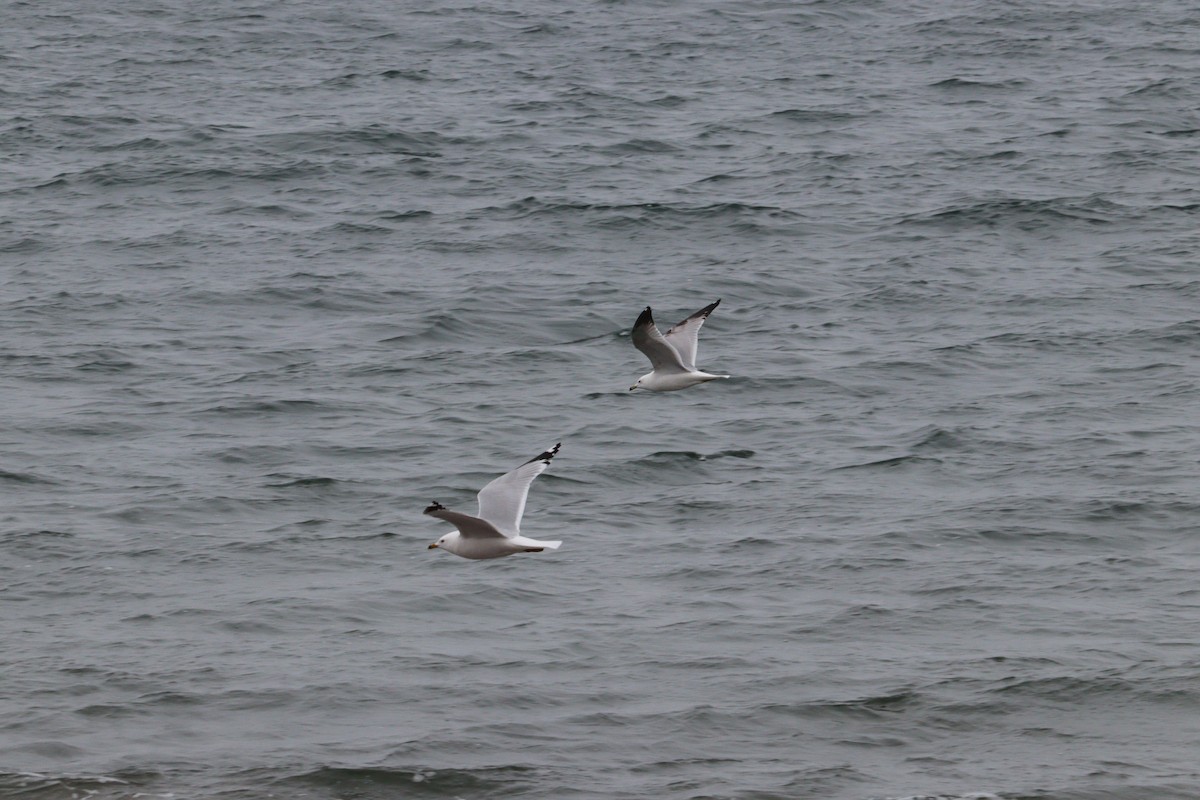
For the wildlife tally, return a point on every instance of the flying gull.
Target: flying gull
(496, 532)
(673, 354)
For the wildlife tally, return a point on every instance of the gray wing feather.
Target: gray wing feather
(647, 338)
(470, 527)
(502, 502)
(684, 335)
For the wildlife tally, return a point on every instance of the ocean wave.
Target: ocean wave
(383, 783)
(658, 213)
(48, 786)
(25, 477)
(969, 84)
(1024, 214)
(366, 140)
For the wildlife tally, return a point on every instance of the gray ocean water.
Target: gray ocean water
(274, 276)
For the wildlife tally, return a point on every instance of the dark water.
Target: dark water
(276, 275)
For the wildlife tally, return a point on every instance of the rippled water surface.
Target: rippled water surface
(274, 276)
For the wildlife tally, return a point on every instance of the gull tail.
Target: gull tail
(535, 545)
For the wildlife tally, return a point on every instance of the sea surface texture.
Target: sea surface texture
(276, 275)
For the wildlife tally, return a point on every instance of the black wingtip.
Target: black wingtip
(645, 318)
(546, 455)
(704, 312)
(435, 507)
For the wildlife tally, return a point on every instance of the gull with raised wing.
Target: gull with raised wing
(673, 354)
(496, 532)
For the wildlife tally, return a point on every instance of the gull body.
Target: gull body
(496, 531)
(672, 381)
(673, 354)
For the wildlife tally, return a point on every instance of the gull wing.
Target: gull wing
(683, 335)
(470, 527)
(502, 502)
(662, 354)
